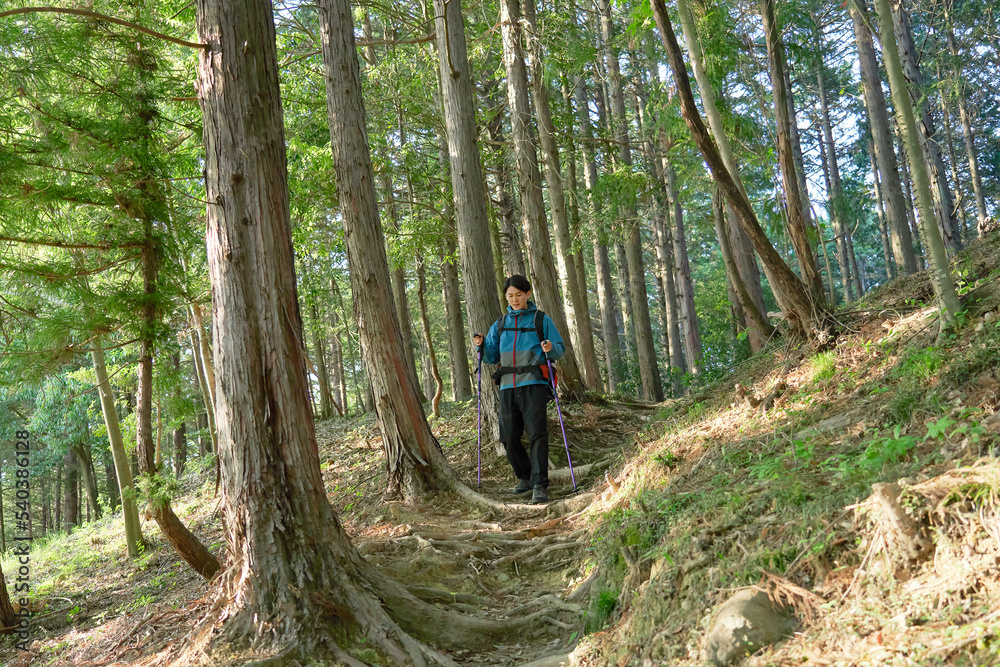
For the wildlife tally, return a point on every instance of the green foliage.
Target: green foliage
(824, 365)
(601, 608)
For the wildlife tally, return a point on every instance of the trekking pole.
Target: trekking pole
(479, 421)
(561, 425)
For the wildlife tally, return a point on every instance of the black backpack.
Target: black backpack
(543, 369)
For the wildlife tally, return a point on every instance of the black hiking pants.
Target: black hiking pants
(523, 409)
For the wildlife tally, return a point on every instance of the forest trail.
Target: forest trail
(498, 565)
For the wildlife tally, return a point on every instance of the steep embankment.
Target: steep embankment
(729, 491)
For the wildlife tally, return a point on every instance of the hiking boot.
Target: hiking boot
(522, 487)
(539, 496)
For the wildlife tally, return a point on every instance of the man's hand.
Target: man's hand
(546, 346)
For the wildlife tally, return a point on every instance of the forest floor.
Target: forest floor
(762, 486)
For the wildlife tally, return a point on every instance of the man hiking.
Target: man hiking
(520, 342)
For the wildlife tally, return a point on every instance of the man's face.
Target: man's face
(517, 299)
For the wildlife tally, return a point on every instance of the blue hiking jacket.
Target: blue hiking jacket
(521, 348)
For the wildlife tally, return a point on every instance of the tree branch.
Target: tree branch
(103, 17)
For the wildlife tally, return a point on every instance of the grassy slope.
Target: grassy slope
(720, 496)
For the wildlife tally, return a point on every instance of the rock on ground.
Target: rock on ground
(745, 622)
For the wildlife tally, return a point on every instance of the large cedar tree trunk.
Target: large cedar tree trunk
(581, 333)
(413, 456)
(457, 98)
(545, 285)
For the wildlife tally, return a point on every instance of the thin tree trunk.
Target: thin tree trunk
(457, 98)
(963, 223)
(461, 384)
(587, 347)
(652, 388)
(890, 267)
(71, 506)
(759, 330)
(802, 313)
(908, 198)
(428, 341)
(671, 324)
(685, 291)
(602, 267)
(944, 288)
(319, 345)
(963, 114)
(180, 538)
(581, 332)
(884, 153)
(86, 462)
(794, 201)
(123, 469)
(930, 149)
(839, 237)
(180, 433)
(206, 393)
(545, 284)
(722, 147)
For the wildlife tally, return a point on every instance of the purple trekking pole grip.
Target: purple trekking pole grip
(562, 426)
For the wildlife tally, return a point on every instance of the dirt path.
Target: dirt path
(494, 565)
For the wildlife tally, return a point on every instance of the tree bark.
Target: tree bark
(581, 333)
(319, 344)
(963, 224)
(545, 286)
(86, 462)
(8, 619)
(963, 114)
(827, 155)
(885, 154)
(649, 373)
(478, 272)
(130, 513)
(206, 393)
(759, 330)
(461, 379)
(803, 315)
(931, 151)
(181, 539)
(71, 507)
(413, 456)
(794, 202)
(428, 341)
(685, 291)
(602, 265)
(741, 245)
(890, 267)
(908, 198)
(944, 288)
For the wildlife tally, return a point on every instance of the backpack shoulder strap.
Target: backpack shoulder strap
(540, 324)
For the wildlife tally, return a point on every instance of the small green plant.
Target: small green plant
(889, 449)
(601, 608)
(824, 365)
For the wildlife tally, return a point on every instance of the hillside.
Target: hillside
(680, 506)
